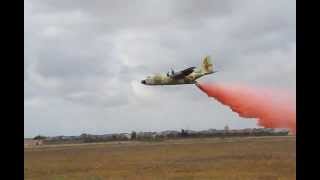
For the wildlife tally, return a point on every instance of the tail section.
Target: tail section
(207, 66)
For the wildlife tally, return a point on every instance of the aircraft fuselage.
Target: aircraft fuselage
(164, 79)
(186, 76)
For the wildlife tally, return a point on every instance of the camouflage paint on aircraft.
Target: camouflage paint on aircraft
(186, 76)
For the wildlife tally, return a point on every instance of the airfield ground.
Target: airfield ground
(208, 158)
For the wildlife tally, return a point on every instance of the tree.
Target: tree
(133, 135)
(226, 128)
(183, 133)
(39, 137)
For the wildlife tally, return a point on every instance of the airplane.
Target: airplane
(186, 76)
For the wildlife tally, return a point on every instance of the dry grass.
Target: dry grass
(232, 158)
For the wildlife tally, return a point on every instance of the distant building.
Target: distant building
(146, 135)
(32, 143)
(125, 136)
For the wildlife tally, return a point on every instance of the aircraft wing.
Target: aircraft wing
(183, 73)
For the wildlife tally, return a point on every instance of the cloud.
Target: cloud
(84, 61)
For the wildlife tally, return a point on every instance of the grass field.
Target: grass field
(263, 158)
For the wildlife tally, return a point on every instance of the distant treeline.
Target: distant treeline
(154, 136)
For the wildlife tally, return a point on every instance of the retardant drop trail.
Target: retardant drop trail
(272, 109)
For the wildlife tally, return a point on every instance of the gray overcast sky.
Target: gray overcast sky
(84, 61)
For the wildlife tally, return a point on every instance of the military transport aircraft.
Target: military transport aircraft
(187, 76)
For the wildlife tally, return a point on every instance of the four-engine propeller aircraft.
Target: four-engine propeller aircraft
(187, 76)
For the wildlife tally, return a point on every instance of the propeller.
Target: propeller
(172, 72)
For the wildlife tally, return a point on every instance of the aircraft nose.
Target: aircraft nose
(143, 81)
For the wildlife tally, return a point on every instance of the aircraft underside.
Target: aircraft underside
(175, 83)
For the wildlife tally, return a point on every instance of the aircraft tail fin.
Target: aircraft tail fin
(207, 66)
